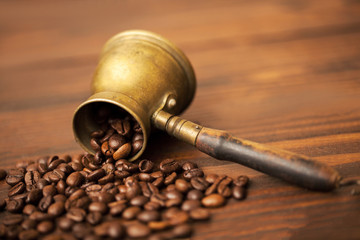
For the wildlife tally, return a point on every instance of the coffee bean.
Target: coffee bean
(98, 207)
(76, 166)
(76, 214)
(169, 165)
(13, 219)
(29, 209)
(75, 179)
(2, 174)
(189, 165)
(56, 209)
(49, 190)
(148, 215)
(95, 175)
(56, 175)
(30, 234)
(152, 206)
(223, 186)
(145, 166)
(80, 230)
(39, 216)
(189, 205)
(15, 176)
(241, 181)
(15, 205)
(28, 224)
(45, 202)
(213, 200)
(94, 218)
(131, 212)
(159, 198)
(182, 185)
(158, 225)
(117, 209)
(16, 189)
(108, 178)
(179, 218)
(138, 230)
(136, 146)
(199, 214)
(211, 178)
(94, 144)
(182, 230)
(41, 183)
(32, 177)
(239, 192)
(191, 173)
(194, 194)
(122, 152)
(65, 223)
(115, 230)
(145, 177)
(34, 196)
(158, 182)
(106, 197)
(59, 198)
(116, 141)
(170, 179)
(65, 168)
(54, 164)
(139, 201)
(45, 227)
(199, 183)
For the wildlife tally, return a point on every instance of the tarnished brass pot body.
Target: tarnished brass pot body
(142, 73)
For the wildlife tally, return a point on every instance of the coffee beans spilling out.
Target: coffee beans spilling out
(119, 136)
(82, 197)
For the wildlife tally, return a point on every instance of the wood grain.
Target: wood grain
(284, 73)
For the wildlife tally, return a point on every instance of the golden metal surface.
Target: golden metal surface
(142, 73)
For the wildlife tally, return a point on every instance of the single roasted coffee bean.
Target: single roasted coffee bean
(122, 152)
(211, 178)
(15, 176)
(169, 165)
(158, 182)
(39, 216)
(13, 219)
(239, 192)
(16, 189)
(116, 141)
(139, 201)
(189, 165)
(189, 205)
(194, 172)
(75, 179)
(106, 197)
(76, 214)
(199, 183)
(65, 223)
(223, 186)
(158, 225)
(95, 175)
(117, 209)
(45, 227)
(28, 224)
(32, 177)
(98, 207)
(59, 198)
(41, 183)
(182, 230)
(145, 166)
(182, 185)
(34, 196)
(152, 206)
(136, 146)
(194, 194)
(44, 203)
(56, 209)
(115, 230)
(15, 205)
(49, 190)
(213, 188)
(80, 230)
(29, 209)
(170, 178)
(138, 230)
(241, 181)
(213, 200)
(94, 144)
(131, 212)
(94, 218)
(180, 218)
(199, 214)
(147, 216)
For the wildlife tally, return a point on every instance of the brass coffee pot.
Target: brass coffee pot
(150, 78)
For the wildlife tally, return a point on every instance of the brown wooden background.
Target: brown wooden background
(285, 73)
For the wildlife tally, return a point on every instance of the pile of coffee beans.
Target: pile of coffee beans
(119, 136)
(61, 198)
(105, 196)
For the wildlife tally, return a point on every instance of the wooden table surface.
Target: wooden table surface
(284, 73)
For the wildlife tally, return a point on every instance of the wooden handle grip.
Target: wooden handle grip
(291, 167)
